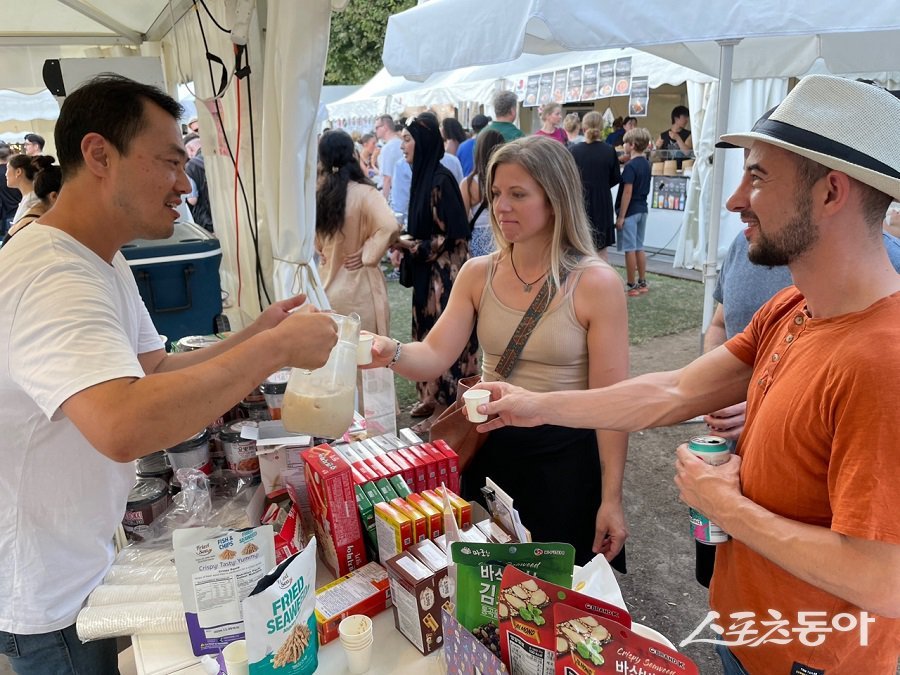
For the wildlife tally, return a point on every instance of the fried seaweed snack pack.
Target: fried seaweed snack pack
(279, 618)
(479, 569)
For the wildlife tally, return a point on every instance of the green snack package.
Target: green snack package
(479, 570)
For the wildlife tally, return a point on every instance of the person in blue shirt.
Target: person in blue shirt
(631, 207)
(465, 153)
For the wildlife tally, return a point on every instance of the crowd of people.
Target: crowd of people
(789, 372)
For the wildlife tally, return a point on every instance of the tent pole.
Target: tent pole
(726, 61)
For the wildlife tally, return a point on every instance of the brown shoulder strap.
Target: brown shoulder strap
(527, 325)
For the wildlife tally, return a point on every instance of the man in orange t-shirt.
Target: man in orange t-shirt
(809, 582)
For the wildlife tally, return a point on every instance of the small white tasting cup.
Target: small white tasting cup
(473, 399)
(364, 349)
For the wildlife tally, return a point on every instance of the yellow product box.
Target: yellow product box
(419, 529)
(393, 529)
(434, 523)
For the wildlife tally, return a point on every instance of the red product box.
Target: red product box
(452, 464)
(333, 505)
(406, 470)
(379, 468)
(388, 462)
(358, 478)
(431, 469)
(420, 469)
(443, 476)
(357, 463)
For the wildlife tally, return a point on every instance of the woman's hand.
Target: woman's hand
(353, 261)
(404, 244)
(611, 530)
(383, 350)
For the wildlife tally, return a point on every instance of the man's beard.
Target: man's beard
(796, 237)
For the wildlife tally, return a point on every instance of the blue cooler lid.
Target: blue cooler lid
(188, 240)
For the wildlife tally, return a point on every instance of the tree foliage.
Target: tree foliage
(357, 39)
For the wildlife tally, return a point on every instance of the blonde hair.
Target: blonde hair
(593, 126)
(571, 122)
(638, 137)
(552, 167)
(548, 109)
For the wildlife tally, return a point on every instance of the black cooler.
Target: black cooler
(178, 279)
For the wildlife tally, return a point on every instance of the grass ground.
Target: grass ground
(671, 306)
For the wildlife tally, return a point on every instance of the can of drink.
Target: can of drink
(713, 450)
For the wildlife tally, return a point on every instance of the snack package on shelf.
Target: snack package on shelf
(364, 591)
(217, 569)
(279, 618)
(593, 644)
(479, 572)
(333, 505)
(525, 606)
(466, 653)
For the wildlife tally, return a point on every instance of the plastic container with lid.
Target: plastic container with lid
(273, 388)
(154, 465)
(240, 453)
(146, 502)
(191, 454)
(190, 343)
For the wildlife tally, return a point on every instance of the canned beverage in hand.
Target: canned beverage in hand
(713, 450)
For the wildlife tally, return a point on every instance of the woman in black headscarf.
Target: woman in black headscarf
(439, 246)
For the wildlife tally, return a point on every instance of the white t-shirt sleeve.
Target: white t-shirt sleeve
(70, 332)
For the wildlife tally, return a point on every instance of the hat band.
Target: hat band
(818, 143)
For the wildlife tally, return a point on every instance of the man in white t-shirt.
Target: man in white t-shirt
(390, 154)
(86, 384)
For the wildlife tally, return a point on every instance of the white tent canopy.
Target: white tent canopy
(779, 38)
(763, 39)
(386, 93)
(285, 106)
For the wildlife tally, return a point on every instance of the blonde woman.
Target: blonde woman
(581, 341)
(599, 168)
(551, 116)
(572, 126)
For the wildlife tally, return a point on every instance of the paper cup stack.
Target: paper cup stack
(356, 636)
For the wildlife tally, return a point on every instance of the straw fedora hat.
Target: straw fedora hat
(845, 125)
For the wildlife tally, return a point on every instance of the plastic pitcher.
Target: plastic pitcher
(321, 402)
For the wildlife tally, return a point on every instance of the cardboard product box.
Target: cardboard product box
(365, 591)
(443, 475)
(333, 505)
(366, 510)
(383, 442)
(357, 463)
(406, 470)
(452, 464)
(409, 437)
(434, 522)
(431, 468)
(373, 494)
(419, 528)
(417, 611)
(461, 508)
(358, 478)
(419, 467)
(428, 553)
(385, 488)
(388, 462)
(400, 486)
(394, 531)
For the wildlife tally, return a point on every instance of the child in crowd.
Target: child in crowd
(631, 207)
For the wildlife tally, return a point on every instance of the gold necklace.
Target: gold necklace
(526, 285)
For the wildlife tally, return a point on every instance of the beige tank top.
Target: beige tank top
(555, 358)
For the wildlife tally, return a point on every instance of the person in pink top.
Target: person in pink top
(551, 116)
